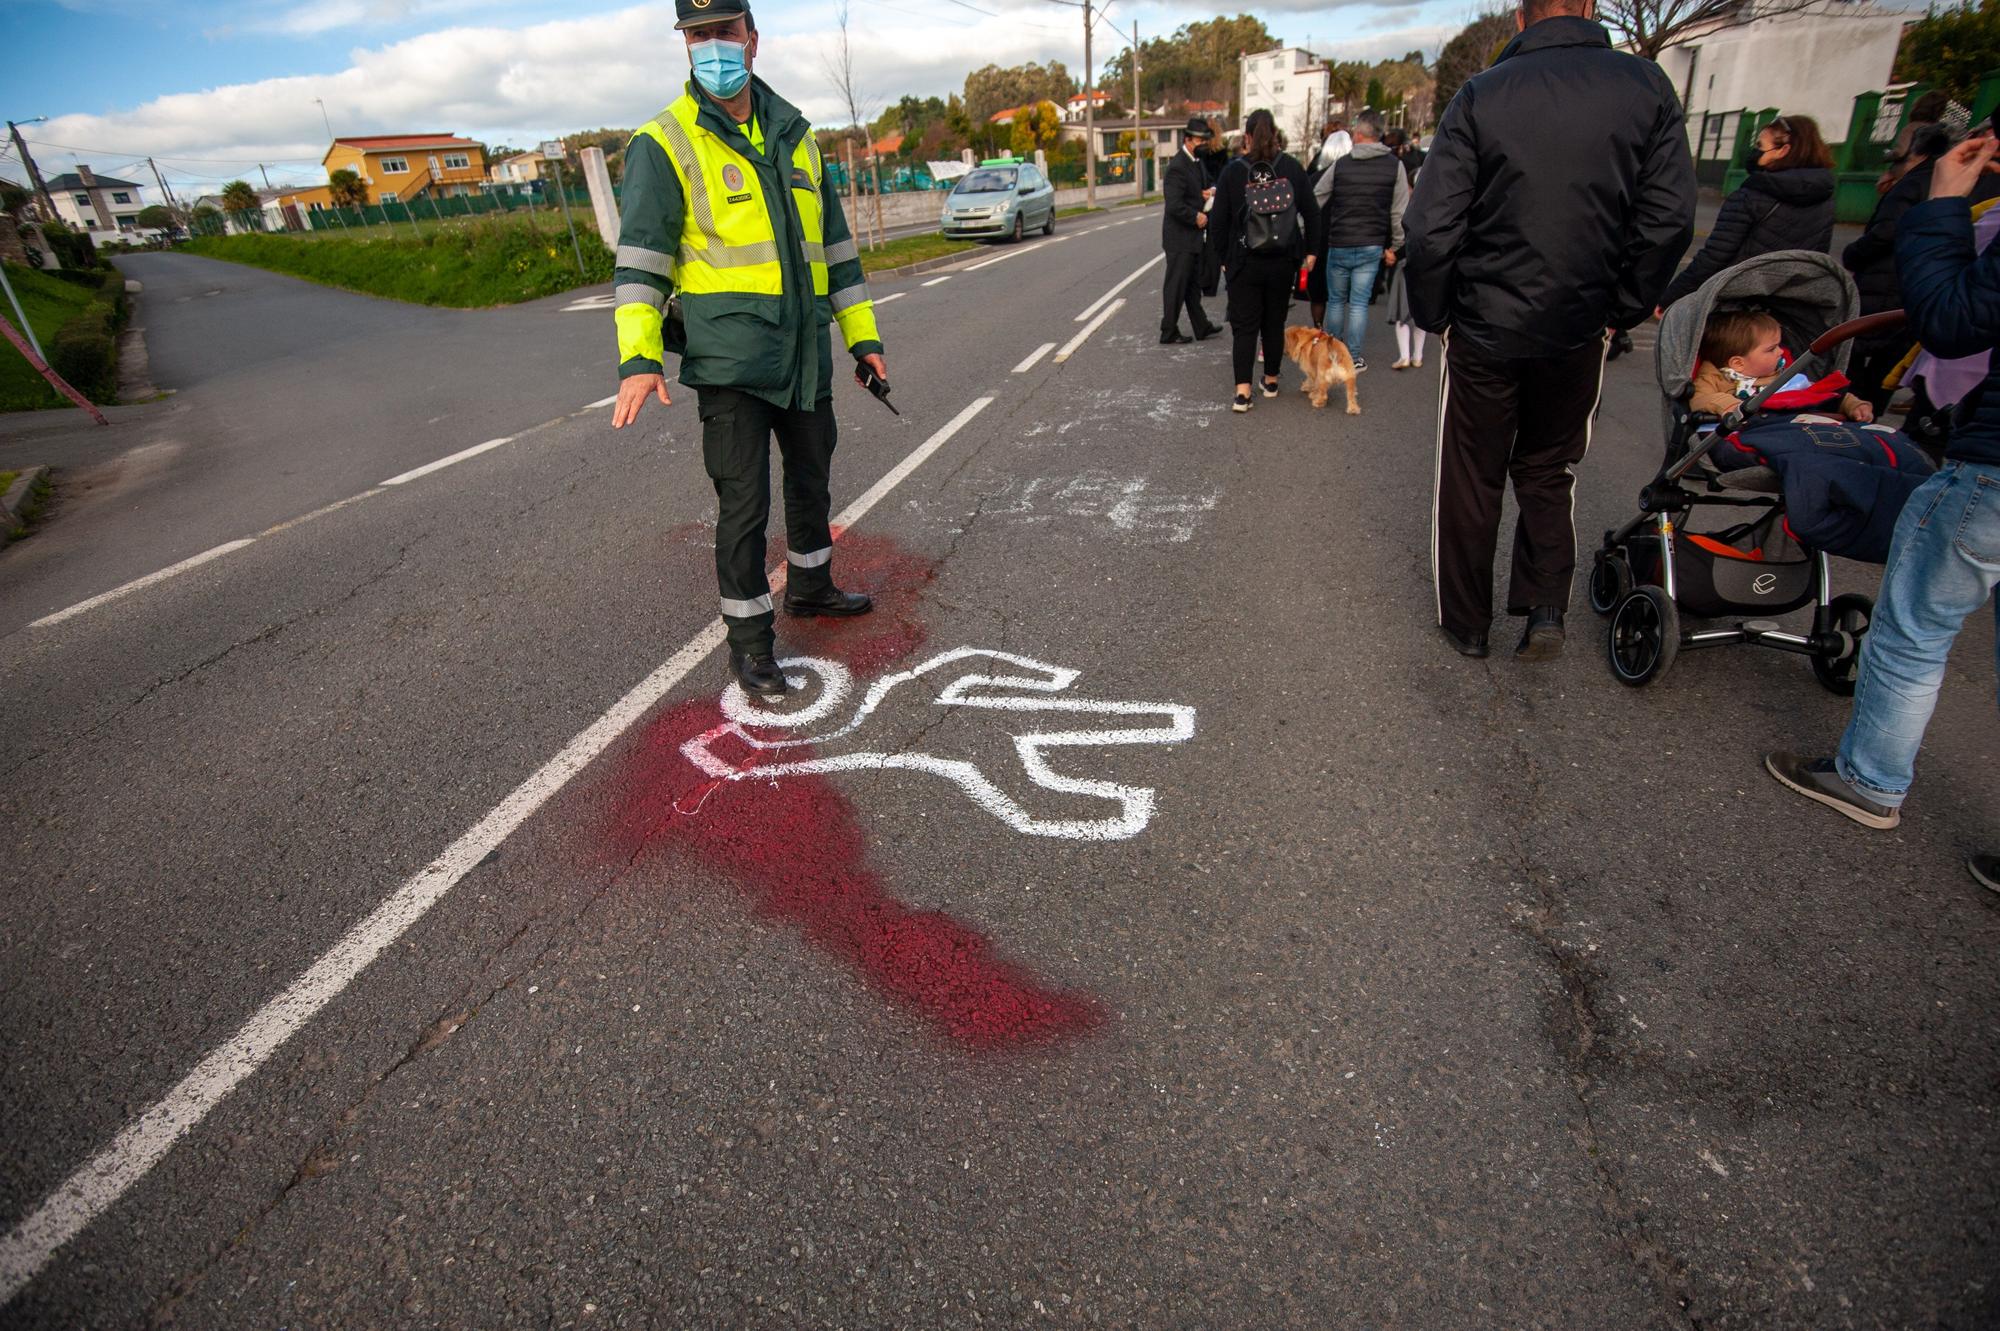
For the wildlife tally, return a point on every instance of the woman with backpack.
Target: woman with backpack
(1266, 224)
(1785, 204)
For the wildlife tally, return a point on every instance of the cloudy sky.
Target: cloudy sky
(210, 90)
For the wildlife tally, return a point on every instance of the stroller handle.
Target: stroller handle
(1867, 323)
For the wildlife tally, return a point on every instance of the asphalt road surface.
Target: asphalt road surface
(1141, 920)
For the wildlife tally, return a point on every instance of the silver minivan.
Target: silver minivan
(1001, 197)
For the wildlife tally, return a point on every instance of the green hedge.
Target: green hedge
(492, 261)
(85, 349)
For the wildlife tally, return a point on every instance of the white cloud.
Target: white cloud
(520, 84)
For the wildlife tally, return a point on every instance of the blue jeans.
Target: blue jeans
(1350, 283)
(1943, 565)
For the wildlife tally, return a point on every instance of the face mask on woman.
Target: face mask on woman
(719, 66)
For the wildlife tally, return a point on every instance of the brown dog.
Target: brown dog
(1325, 361)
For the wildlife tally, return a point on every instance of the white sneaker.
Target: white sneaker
(1417, 364)
(1400, 365)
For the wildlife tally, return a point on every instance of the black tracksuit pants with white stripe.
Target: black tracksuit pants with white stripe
(1501, 418)
(736, 432)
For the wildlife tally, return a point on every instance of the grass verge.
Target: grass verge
(911, 249)
(37, 498)
(491, 261)
(57, 308)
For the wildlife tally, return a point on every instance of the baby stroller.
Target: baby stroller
(1658, 567)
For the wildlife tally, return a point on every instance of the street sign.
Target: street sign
(552, 148)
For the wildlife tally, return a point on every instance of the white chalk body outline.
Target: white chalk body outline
(1030, 692)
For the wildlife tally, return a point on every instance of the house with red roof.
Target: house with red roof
(406, 166)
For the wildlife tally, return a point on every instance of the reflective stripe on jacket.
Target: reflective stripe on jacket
(755, 242)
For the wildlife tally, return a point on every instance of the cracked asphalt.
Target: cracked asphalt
(1428, 993)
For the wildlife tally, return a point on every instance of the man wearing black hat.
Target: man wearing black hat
(727, 200)
(1182, 232)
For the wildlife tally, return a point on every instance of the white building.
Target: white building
(1812, 62)
(1291, 84)
(516, 170)
(100, 205)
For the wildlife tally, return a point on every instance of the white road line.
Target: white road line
(144, 1142)
(894, 295)
(1039, 352)
(1069, 347)
(935, 280)
(320, 512)
(601, 402)
(136, 584)
(1093, 306)
(852, 514)
(444, 462)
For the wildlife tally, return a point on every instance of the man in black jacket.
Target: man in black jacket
(1555, 200)
(1182, 232)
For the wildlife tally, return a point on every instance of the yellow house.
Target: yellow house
(404, 166)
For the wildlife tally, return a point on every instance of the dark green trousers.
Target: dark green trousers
(736, 432)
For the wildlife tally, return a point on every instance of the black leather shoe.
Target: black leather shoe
(832, 601)
(1213, 330)
(1471, 644)
(1168, 339)
(1544, 638)
(758, 673)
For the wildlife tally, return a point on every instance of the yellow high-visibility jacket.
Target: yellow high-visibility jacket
(743, 221)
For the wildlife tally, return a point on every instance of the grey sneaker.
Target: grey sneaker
(1820, 780)
(1985, 870)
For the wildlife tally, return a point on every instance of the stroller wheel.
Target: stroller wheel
(1645, 636)
(1848, 616)
(1610, 578)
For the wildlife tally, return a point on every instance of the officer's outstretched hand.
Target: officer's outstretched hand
(632, 395)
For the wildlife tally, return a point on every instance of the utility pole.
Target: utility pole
(173, 205)
(34, 173)
(1138, 170)
(266, 174)
(1089, 119)
(325, 119)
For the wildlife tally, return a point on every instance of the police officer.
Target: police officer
(726, 197)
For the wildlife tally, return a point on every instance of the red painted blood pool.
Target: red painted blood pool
(797, 852)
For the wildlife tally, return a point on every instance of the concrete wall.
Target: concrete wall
(1812, 64)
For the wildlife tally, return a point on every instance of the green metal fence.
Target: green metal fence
(1723, 142)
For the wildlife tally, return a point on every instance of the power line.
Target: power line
(206, 161)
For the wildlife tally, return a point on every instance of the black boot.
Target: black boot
(758, 673)
(1543, 640)
(1471, 644)
(831, 601)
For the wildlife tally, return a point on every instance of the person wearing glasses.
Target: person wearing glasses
(1786, 204)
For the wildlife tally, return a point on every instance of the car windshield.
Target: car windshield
(985, 182)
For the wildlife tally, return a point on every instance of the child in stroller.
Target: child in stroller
(1738, 462)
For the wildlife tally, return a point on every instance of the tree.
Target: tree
(1470, 50)
(1197, 63)
(13, 197)
(347, 188)
(1039, 126)
(992, 89)
(238, 197)
(839, 63)
(1952, 49)
(1346, 81)
(1648, 27)
(1375, 97)
(157, 217)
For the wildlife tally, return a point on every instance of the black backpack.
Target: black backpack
(1270, 213)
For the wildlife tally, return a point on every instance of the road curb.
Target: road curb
(922, 265)
(23, 497)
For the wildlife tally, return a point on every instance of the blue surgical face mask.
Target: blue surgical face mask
(719, 66)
